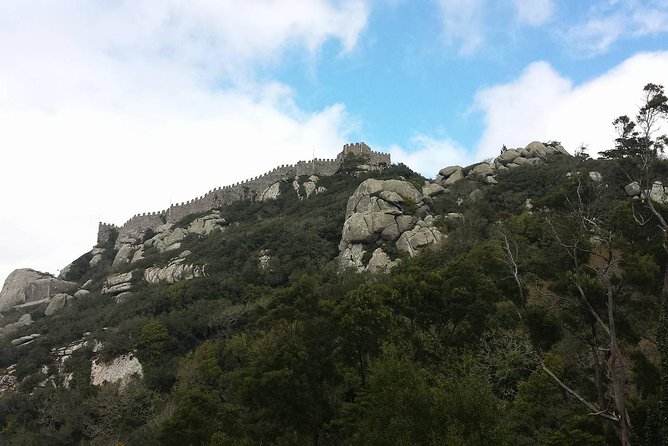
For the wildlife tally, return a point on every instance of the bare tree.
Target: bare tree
(582, 234)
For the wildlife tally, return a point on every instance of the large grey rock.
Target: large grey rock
(405, 222)
(380, 262)
(309, 188)
(632, 189)
(391, 232)
(204, 225)
(391, 197)
(138, 255)
(168, 240)
(351, 257)
(57, 303)
(378, 221)
(453, 178)
(368, 204)
(176, 271)
(508, 156)
(447, 171)
(419, 238)
(482, 169)
(27, 285)
(403, 188)
(356, 230)
(272, 192)
(124, 255)
(120, 370)
(432, 189)
(537, 149)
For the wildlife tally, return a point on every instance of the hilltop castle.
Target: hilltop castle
(251, 189)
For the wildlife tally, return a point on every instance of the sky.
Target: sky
(109, 108)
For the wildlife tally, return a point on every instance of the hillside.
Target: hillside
(508, 302)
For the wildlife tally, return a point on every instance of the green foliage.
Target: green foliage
(544, 329)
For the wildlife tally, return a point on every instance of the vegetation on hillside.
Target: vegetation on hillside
(541, 321)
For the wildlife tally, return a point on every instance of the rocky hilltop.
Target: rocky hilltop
(126, 313)
(519, 300)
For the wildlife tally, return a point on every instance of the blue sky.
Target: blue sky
(113, 107)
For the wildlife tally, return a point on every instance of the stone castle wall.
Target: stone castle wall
(251, 189)
(361, 149)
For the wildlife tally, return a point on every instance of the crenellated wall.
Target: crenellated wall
(251, 189)
(361, 149)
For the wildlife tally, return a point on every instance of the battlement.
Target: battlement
(250, 189)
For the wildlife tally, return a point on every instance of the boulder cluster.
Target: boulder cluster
(534, 153)
(393, 212)
(25, 289)
(167, 238)
(658, 193)
(303, 190)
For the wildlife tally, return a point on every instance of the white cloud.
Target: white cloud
(534, 12)
(543, 105)
(428, 155)
(114, 108)
(608, 22)
(463, 24)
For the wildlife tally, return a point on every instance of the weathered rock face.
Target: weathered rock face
(120, 370)
(383, 211)
(26, 285)
(176, 271)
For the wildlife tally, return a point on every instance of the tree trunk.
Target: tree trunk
(615, 375)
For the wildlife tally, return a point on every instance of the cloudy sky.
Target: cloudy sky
(113, 107)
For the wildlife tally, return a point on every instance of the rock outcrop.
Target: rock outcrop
(120, 370)
(383, 212)
(118, 285)
(24, 286)
(534, 153)
(175, 271)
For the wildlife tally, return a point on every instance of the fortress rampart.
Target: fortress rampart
(251, 189)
